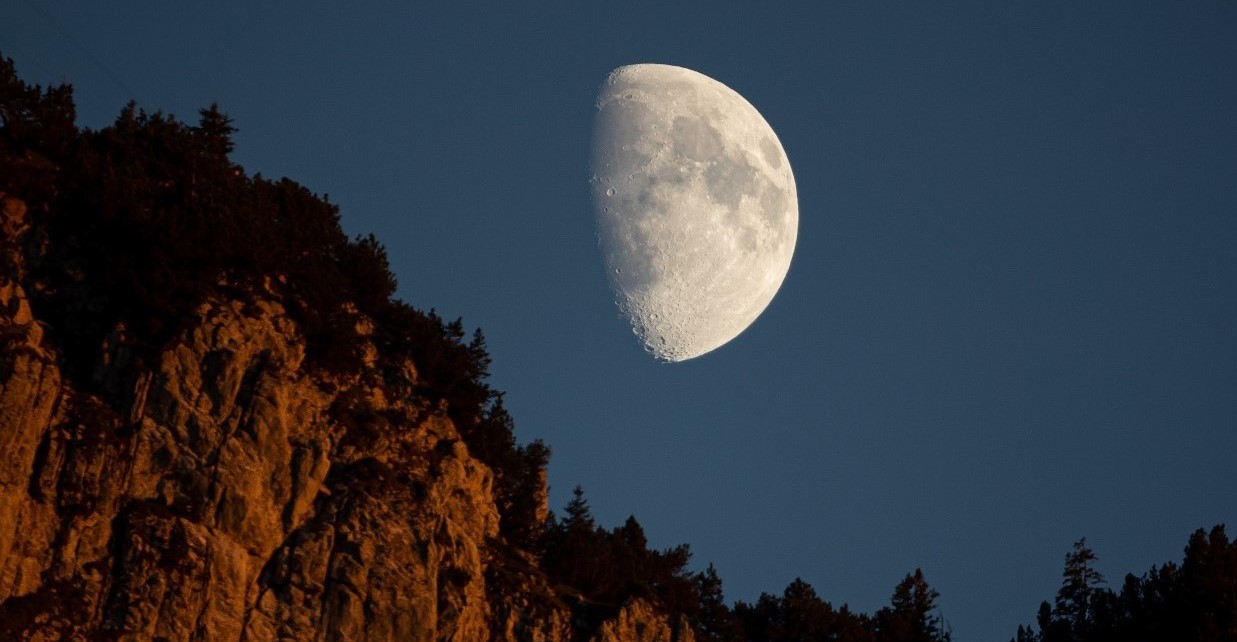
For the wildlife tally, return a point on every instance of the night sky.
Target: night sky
(1009, 322)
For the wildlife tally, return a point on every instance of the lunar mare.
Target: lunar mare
(695, 204)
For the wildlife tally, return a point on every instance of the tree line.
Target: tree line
(1195, 600)
(607, 567)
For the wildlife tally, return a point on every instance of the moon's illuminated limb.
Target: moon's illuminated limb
(696, 207)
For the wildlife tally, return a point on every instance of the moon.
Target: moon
(695, 205)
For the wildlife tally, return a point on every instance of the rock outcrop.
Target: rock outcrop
(224, 491)
(639, 621)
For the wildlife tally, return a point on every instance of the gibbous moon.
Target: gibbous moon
(696, 207)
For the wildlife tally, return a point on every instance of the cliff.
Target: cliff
(219, 488)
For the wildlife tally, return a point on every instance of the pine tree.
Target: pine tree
(579, 517)
(578, 553)
(804, 615)
(1078, 586)
(214, 131)
(910, 616)
(715, 622)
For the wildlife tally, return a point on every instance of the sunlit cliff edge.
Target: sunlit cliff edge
(213, 493)
(218, 424)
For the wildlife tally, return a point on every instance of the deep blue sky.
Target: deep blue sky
(1009, 322)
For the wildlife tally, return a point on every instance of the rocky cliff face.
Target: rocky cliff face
(222, 491)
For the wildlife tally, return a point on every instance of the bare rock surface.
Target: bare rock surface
(639, 621)
(226, 492)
